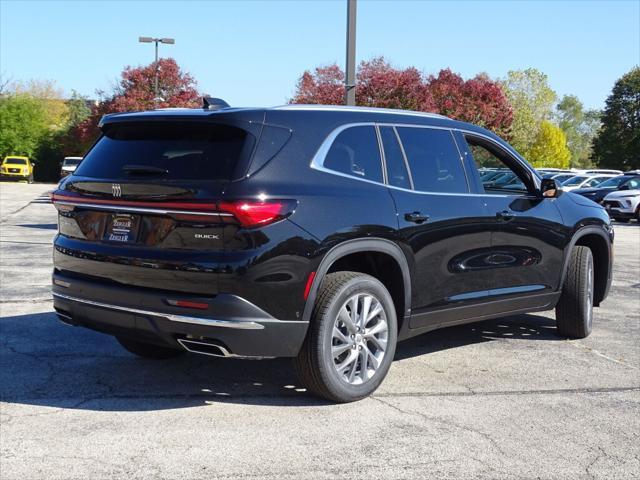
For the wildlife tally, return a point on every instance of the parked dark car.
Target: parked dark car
(326, 234)
(628, 181)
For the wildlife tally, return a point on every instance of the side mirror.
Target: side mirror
(549, 188)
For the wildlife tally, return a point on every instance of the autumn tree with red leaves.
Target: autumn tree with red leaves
(478, 100)
(135, 92)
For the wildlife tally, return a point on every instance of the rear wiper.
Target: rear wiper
(145, 169)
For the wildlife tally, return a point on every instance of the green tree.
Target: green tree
(549, 149)
(617, 145)
(35, 120)
(580, 126)
(52, 99)
(532, 100)
(23, 124)
(59, 143)
(78, 107)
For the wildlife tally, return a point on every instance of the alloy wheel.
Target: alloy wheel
(359, 338)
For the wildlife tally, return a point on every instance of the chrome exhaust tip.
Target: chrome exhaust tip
(65, 319)
(204, 348)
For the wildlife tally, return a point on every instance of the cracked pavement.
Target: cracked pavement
(503, 398)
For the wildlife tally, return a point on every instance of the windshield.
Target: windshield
(15, 161)
(178, 151)
(614, 182)
(71, 161)
(574, 181)
(562, 178)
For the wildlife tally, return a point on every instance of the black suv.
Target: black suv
(321, 233)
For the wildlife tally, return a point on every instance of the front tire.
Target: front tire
(149, 350)
(351, 339)
(574, 311)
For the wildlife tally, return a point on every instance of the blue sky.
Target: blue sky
(252, 52)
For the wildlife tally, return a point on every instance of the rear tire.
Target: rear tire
(574, 311)
(351, 339)
(149, 350)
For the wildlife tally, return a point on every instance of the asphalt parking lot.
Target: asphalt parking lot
(503, 398)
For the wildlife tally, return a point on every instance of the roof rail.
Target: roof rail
(349, 108)
(211, 103)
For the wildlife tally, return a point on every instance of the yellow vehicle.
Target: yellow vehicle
(16, 167)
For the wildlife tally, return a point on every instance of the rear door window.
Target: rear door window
(175, 151)
(397, 174)
(434, 160)
(355, 152)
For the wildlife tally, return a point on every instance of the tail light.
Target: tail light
(249, 213)
(253, 214)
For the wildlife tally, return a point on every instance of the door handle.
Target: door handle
(505, 215)
(416, 217)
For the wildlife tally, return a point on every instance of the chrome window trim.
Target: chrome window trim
(317, 162)
(124, 208)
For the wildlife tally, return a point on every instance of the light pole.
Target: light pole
(169, 41)
(350, 79)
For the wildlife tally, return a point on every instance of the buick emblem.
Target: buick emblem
(116, 189)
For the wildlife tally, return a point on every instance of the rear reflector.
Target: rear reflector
(188, 304)
(307, 287)
(253, 214)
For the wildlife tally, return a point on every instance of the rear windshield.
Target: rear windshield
(175, 151)
(15, 161)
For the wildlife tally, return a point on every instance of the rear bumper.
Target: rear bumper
(14, 176)
(241, 328)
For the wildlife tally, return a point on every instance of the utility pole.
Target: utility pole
(350, 80)
(169, 41)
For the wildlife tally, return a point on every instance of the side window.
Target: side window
(434, 160)
(594, 182)
(355, 152)
(495, 171)
(633, 184)
(397, 174)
